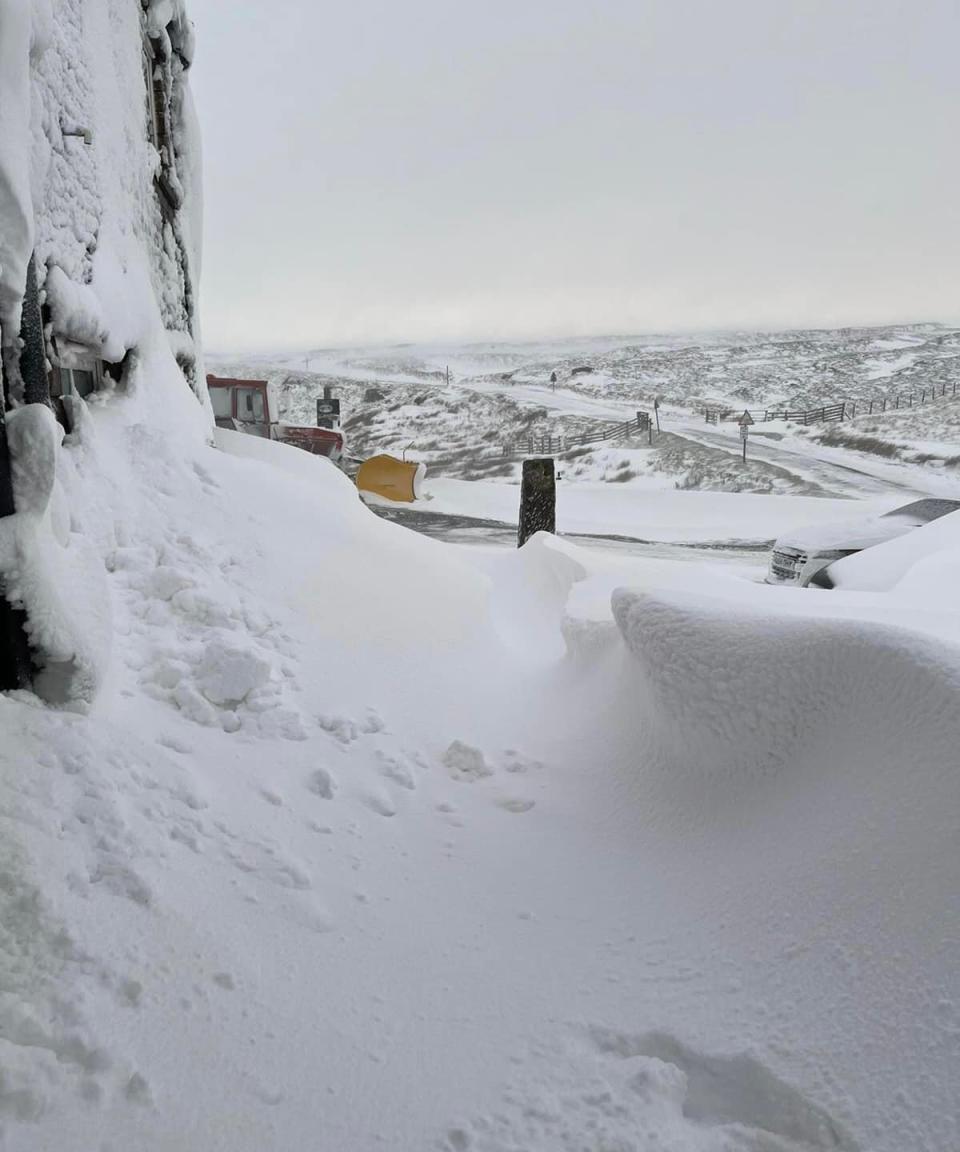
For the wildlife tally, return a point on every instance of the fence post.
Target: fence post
(538, 499)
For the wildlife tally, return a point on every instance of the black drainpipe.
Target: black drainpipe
(15, 663)
(33, 356)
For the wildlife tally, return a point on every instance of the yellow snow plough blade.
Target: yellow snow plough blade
(390, 478)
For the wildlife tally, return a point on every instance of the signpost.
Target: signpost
(745, 421)
(328, 413)
(538, 499)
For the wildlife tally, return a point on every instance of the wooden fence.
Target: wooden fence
(549, 445)
(845, 410)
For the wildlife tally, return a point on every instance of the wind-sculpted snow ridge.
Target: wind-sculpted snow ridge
(808, 743)
(738, 691)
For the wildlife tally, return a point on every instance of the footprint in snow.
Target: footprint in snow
(346, 730)
(515, 804)
(607, 1091)
(321, 783)
(380, 803)
(175, 744)
(397, 769)
(517, 762)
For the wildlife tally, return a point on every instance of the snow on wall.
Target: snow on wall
(116, 266)
(77, 167)
(50, 569)
(16, 217)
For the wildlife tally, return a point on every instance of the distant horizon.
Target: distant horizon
(528, 341)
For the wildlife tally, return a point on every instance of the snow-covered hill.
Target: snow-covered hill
(745, 369)
(476, 425)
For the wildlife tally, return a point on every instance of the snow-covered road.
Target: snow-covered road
(845, 479)
(843, 473)
(495, 534)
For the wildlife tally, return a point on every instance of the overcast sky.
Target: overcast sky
(388, 170)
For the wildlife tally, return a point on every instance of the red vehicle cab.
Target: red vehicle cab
(252, 406)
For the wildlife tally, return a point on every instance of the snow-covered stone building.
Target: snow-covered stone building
(100, 210)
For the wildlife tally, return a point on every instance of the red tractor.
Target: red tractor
(251, 406)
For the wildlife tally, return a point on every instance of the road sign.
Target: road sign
(328, 413)
(746, 420)
(744, 431)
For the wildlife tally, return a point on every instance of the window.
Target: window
(250, 407)
(153, 82)
(153, 122)
(76, 381)
(157, 79)
(220, 399)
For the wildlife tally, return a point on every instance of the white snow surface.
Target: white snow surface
(897, 561)
(594, 508)
(17, 38)
(331, 836)
(370, 841)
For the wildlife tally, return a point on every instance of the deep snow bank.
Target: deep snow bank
(738, 688)
(336, 829)
(49, 566)
(809, 761)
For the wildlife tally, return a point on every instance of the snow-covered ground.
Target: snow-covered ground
(370, 841)
(660, 514)
(317, 833)
(745, 369)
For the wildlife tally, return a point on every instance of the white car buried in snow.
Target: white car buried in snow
(804, 556)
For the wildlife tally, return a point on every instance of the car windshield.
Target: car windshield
(923, 511)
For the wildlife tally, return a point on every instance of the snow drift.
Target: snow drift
(50, 568)
(367, 841)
